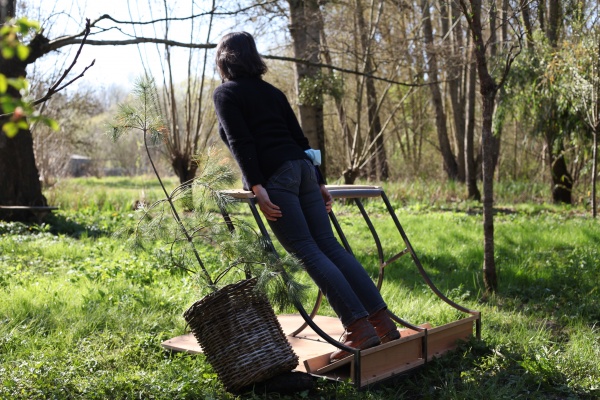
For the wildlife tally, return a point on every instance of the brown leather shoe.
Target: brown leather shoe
(384, 326)
(360, 335)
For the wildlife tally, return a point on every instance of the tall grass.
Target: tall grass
(106, 194)
(82, 315)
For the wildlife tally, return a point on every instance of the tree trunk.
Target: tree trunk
(490, 277)
(471, 166)
(184, 168)
(554, 14)
(377, 167)
(562, 182)
(305, 31)
(541, 14)
(450, 165)
(505, 8)
(455, 79)
(7, 10)
(493, 41)
(339, 105)
(527, 23)
(488, 89)
(19, 177)
(594, 170)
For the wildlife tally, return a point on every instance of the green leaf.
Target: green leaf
(22, 52)
(22, 124)
(11, 129)
(26, 25)
(3, 84)
(8, 52)
(52, 124)
(18, 83)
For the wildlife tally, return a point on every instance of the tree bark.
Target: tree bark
(184, 168)
(488, 89)
(339, 105)
(19, 177)
(471, 167)
(305, 32)
(450, 165)
(455, 79)
(493, 41)
(554, 13)
(562, 181)
(594, 170)
(377, 167)
(7, 9)
(490, 277)
(525, 12)
(505, 8)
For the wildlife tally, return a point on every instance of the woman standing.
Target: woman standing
(259, 127)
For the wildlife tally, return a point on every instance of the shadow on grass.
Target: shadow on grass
(59, 224)
(478, 370)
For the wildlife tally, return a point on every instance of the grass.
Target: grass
(82, 315)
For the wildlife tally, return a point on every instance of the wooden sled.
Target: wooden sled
(314, 337)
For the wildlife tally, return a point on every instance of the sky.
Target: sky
(121, 65)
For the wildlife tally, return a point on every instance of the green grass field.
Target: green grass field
(82, 315)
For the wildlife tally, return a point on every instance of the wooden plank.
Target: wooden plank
(321, 364)
(346, 187)
(315, 363)
(377, 363)
(238, 193)
(445, 338)
(186, 343)
(29, 208)
(391, 358)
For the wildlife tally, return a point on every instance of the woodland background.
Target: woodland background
(389, 90)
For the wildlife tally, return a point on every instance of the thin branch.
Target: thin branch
(509, 60)
(51, 92)
(167, 19)
(212, 12)
(349, 71)
(56, 87)
(58, 43)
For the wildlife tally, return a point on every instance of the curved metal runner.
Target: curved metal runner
(356, 193)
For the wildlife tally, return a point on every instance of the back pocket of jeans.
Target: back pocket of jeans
(284, 177)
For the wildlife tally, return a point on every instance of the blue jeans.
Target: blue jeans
(304, 231)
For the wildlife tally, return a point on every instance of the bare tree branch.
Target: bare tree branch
(212, 12)
(58, 43)
(349, 71)
(56, 87)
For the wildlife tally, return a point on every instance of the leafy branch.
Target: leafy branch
(238, 246)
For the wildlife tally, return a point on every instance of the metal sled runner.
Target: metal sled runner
(312, 336)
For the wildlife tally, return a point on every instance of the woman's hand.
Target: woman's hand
(270, 210)
(326, 198)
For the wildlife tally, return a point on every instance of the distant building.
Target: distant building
(79, 166)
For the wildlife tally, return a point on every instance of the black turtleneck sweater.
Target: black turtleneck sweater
(259, 127)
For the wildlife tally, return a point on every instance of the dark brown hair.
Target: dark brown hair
(237, 57)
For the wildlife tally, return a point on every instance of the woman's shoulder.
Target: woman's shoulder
(227, 89)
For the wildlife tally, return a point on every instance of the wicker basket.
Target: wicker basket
(240, 335)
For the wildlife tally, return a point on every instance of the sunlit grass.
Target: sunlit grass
(82, 315)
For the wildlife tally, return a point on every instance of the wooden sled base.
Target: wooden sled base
(412, 350)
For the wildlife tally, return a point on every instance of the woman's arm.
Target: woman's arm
(236, 135)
